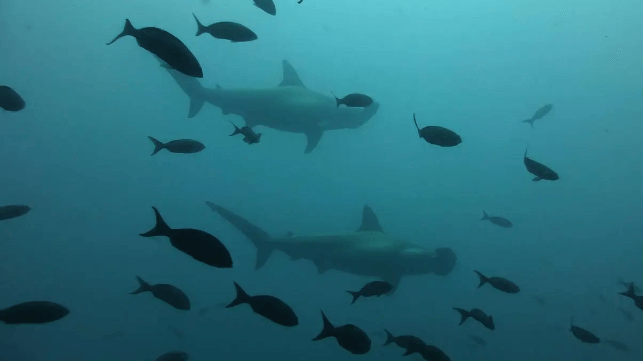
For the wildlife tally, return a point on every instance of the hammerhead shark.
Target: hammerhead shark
(369, 251)
(289, 107)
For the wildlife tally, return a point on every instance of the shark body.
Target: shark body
(289, 107)
(369, 251)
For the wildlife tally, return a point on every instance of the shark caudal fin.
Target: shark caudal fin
(256, 235)
(190, 86)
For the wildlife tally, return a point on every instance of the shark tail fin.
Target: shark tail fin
(158, 146)
(485, 216)
(256, 235)
(143, 286)
(389, 338)
(355, 296)
(327, 331)
(464, 314)
(127, 30)
(200, 28)
(483, 279)
(242, 297)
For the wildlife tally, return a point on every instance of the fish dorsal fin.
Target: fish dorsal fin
(291, 78)
(369, 221)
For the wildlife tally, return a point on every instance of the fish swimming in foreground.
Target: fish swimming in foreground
(432, 353)
(618, 345)
(174, 356)
(541, 171)
(627, 284)
(630, 293)
(350, 337)
(498, 283)
(266, 5)
(183, 146)
(375, 288)
(166, 293)
(582, 334)
(33, 312)
(226, 30)
(165, 46)
(436, 135)
(10, 100)
(410, 343)
(478, 315)
(267, 306)
(249, 135)
(13, 211)
(196, 243)
(354, 100)
(539, 114)
(498, 221)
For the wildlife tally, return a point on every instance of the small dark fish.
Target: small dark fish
(33, 312)
(174, 356)
(410, 343)
(478, 315)
(541, 171)
(539, 300)
(13, 211)
(183, 146)
(498, 283)
(375, 288)
(436, 135)
(267, 306)
(432, 353)
(618, 345)
(582, 334)
(10, 100)
(226, 30)
(478, 340)
(498, 221)
(627, 314)
(354, 100)
(630, 293)
(165, 46)
(350, 337)
(202, 246)
(249, 135)
(627, 284)
(266, 5)
(166, 293)
(539, 114)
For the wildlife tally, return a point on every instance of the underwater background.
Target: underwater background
(78, 155)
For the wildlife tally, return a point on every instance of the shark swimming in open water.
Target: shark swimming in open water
(289, 107)
(369, 251)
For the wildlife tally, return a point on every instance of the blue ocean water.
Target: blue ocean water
(79, 156)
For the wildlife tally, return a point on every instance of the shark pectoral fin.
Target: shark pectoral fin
(291, 78)
(322, 267)
(314, 136)
(394, 280)
(195, 106)
(369, 221)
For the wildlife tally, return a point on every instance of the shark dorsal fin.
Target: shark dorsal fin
(291, 78)
(369, 221)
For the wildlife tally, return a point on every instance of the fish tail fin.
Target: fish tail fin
(530, 121)
(143, 286)
(389, 338)
(630, 291)
(256, 235)
(160, 229)
(355, 296)
(200, 28)
(464, 314)
(337, 100)
(236, 129)
(327, 331)
(158, 146)
(416, 122)
(485, 216)
(127, 30)
(242, 297)
(483, 279)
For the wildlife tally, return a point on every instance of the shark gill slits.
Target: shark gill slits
(354, 100)
(437, 135)
(182, 146)
(10, 100)
(539, 170)
(165, 46)
(226, 30)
